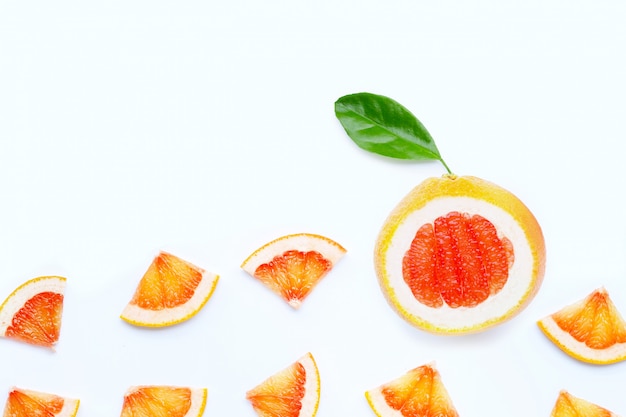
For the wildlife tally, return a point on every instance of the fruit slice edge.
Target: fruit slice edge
(304, 242)
(168, 316)
(567, 405)
(198, 399)
(23, 294)
(418, 392)
(292, 265)
(44, 400)
(278, 387)
(579, 349)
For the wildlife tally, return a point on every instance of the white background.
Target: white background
(207, 128)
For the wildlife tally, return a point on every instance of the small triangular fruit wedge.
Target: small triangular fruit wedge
(32, 313)
(163, 400)
(418, 393)
(171, 291)
(291, 266)
(569, 406)
(28, 403)
(590, 330)
(291, 392)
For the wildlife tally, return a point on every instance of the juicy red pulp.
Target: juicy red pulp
(459, 260)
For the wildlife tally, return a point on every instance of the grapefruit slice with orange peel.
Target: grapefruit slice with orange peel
(458, 254)
(29, 403)
(164, 400)
(567, 405)
(171, 291)
(291, 392)
(418, 393)
(33, 312)
(291, 266)
(590, 330)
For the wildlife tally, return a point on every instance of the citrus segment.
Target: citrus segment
(28, 403)
(291, 392)
(171, 291)
(33, 312)
(418, 393)
(569, 406)
(459, 255)
(591, 330)
(292, 265)
(170, 401)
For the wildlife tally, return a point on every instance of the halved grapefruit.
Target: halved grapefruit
(418, 393)
(569, 406)
(590, 330)
(164, 400)
(29, 403)
(291, 392)
(33, 312)
(459, 255)
(292, 265)
(171, 291)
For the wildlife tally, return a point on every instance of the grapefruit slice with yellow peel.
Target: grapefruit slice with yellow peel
(32, 313)
(590, 330)
(171, 291)
(291, 266)
(418, 393)
(28, 403)
(291, 392)
(569, 406)
(459, 254)
(163, 400)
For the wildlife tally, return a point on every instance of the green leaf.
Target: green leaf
(381, 125)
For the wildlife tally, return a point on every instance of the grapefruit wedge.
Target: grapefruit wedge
(291, 392)
(291, 266)
(28, 403)
(32, 313)
(459, 255)
(163, 400)
(171, 291)
(418, 393)
(569, 406)
(590, 330)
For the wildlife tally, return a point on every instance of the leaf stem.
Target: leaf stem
(445, 165)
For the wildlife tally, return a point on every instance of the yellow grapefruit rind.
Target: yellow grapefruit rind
(310, 403)
(304, 242)
(566, 401)
(198, 399)
(16, 300)
(138, 316)
(311, 399)
(579, 350)
(435, 197)
(70, 405)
